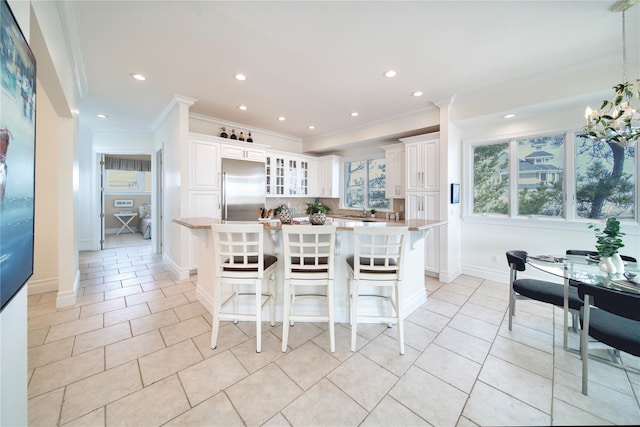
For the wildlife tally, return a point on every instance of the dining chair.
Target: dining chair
(539, 290)
(611, 317)
(241, 267)
(309, 253)
(376, 269)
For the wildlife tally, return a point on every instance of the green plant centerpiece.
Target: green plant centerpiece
(608, 242)
(317, 213)
(373, 212)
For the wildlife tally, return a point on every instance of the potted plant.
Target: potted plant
(317, 213)
(608, 242)
(373, 213)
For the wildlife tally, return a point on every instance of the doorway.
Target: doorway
(126, 188)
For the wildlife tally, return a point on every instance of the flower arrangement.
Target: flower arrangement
(608, 239)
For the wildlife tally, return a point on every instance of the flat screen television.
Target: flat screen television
(17, 156)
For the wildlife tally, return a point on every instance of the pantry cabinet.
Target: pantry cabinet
(422, 171)
(327, 177)
(394, 157)
(204, 173)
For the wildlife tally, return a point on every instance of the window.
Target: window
(491, 179)
(529, 177)
(364, 184)
(605, 180)
(127, 181)
(540, 168)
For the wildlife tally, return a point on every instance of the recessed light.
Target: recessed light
(240, 77)
(102, 116)
(354, 114)
(508, 116)
(242, 107)
(312, 127)
(282, 118)
(390, 73)
(417, 93)
(139, 77)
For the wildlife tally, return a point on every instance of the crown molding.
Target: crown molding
(69, 18)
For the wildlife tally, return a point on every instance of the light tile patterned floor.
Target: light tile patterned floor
(135, 351)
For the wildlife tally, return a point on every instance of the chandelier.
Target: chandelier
(618, 119)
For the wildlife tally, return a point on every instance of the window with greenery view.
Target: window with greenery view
(603, 173)
(491, 179)
(605, 179)
(364, 182)
(540, 176)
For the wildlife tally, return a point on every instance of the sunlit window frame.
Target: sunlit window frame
(569, 222)
(343, 183)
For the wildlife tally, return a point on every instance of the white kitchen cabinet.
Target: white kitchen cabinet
(425, 205)
(204, 173)
(422, 171)
(394, 157)
(288, 175)
(327, 182)
(242, 151)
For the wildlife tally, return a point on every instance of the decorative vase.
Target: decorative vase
(317, 218)
(285, 216)
(617, 262)
(606, 264)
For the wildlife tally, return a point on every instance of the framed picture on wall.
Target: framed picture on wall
(455, 193)
(17, 156)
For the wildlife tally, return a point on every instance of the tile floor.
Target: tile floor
(135, 351)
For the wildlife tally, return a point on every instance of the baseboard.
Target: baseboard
(205, 299)
(414, 302)
(66, 299)
(486, 273)
(177, 272)
(41, 286)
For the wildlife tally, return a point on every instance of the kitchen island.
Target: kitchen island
(413, 293)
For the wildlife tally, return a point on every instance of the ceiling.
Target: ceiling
(316, 62)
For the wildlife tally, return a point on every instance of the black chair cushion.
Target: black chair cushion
(548, 292)
(309, 261)
(268, 261)
(367, 262)
(618, 332)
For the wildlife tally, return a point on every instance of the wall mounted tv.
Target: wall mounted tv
(17, 156)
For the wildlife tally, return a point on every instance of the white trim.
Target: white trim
(177, 272)
(205, 299)
(69, 17)
(42, 286)
(414, 302)
(177, 99)
(66, 299)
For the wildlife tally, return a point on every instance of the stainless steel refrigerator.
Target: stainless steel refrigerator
(243, 189)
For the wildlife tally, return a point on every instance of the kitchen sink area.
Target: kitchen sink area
(359, 218)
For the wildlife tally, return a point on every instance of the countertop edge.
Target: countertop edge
(414, 225)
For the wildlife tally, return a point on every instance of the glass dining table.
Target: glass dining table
(585, 269)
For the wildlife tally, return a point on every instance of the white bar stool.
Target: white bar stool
(309, 253)
(241, 263)
(379, 252)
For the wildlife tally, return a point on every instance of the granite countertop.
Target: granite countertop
(341, 223)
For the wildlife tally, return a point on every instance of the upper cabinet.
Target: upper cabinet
(327, 182)
(422, 163)
(394, 156)
(243, 151)
(205, 164)
(289, 175)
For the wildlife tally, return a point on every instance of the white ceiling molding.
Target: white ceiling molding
(70, 19)
(175, 100)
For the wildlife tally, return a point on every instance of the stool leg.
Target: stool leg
(399, 317)
(285, 315)
(272, 302)
(354, 313)
(217, 303)
(332, 334)
(258, 316)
